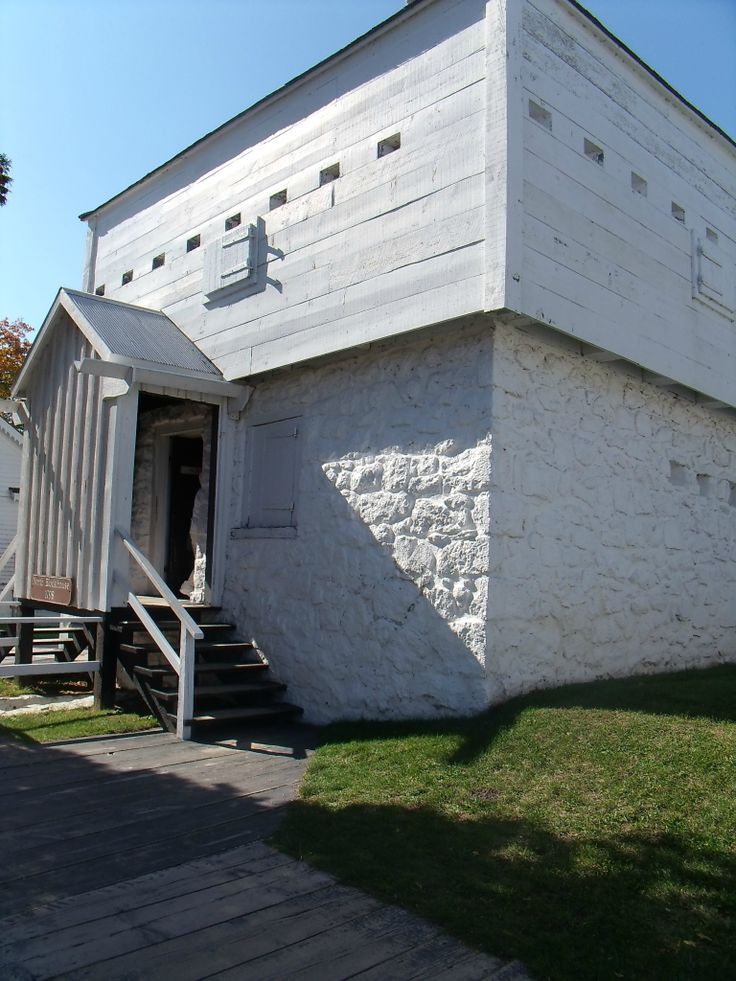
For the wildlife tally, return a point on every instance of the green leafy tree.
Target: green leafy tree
(5, 179)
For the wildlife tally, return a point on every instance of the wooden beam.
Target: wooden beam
(48, 668)
(107, 649)
(24, 650)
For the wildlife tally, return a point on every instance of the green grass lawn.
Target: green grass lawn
(49, 685)
(74, 723)
(45, 727)
(589, 831)
(10, 688)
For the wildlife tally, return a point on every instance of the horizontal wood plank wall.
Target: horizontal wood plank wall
(392, 244)
(64, 472)
(601, 261)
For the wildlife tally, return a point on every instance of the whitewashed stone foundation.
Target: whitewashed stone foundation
(614, 526)
(378, 607)
(483, 511)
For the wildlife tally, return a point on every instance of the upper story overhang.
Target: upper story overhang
(465, 156)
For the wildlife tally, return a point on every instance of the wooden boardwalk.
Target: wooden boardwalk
(143, 857)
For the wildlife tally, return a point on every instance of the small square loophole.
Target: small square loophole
(158, 261)
(678, 212)
(232, 222)
(194, 243)
(638, 184)
(100, 291)
(329, 174)
(593, 152)
(277, 200)
(127, 277)
(390, 145)
(540, 115)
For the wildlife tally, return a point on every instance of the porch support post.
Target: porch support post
(107, 648)
(123, 418)
(24, 647)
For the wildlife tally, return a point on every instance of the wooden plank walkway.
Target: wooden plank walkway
(143, 857)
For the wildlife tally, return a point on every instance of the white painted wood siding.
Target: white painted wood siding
(599, 260)
(393, 244)
(482, 207)
(10, 461)
(63, 477)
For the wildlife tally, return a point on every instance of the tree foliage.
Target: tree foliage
(14, 346)
(5, 179)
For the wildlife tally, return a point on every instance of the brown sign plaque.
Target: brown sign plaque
(52, 589)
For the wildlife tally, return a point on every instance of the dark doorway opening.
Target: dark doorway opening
(185, 468)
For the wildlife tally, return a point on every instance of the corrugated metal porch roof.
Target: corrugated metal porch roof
(140, 334)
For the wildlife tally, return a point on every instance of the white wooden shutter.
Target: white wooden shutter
(232, 260)
(713, 280)
(274, 475)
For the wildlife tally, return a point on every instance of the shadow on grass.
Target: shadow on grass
(568, 909)
(705, 694)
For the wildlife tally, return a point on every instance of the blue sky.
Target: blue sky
(99, 92)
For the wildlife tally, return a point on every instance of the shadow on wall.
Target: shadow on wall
(362, 634)
(377, 609)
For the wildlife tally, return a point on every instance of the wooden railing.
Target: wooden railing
(36, 669)
(189, 632)
(63, 622)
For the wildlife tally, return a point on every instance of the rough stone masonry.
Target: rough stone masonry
(483, 511)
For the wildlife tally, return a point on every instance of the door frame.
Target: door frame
(159, 533)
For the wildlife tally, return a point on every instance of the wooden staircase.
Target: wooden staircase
(232, 682)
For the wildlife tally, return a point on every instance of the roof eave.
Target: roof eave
(358, 42)
(260, 104)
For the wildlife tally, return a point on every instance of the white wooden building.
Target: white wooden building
(443, 333)
(11, 448)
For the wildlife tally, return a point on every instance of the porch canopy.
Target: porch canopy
(78, 396)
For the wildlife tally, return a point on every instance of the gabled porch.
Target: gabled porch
(122, 514)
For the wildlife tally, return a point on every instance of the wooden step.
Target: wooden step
(253, 712)
(159, 603)
(255, 688)
(158, 607)
(223, 646)
(201, 648)
(55, 631)
(174, 625)
(57, 649)
(206, 667)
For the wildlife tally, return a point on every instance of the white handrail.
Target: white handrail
(190, 631)
(153, 629)
(177, 607)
